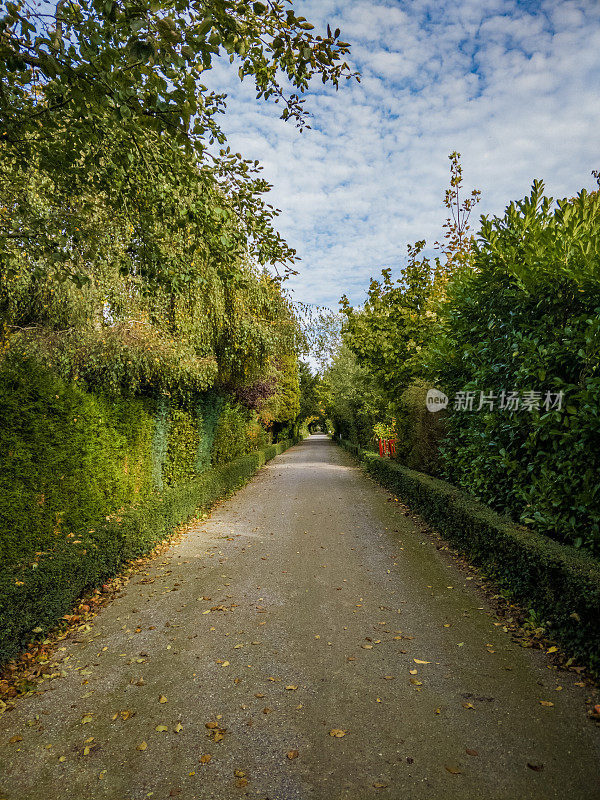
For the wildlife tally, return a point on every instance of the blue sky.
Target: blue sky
(513, 85)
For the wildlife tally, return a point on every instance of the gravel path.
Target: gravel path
(307, 604)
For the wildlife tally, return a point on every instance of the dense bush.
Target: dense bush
(237, 432)
(67, 459)
(36, 598)
(558, 582)
(523, 317)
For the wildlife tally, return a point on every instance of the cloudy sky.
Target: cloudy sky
(513, 85)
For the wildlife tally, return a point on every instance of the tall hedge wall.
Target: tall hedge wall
(36, 598)
(88, 480)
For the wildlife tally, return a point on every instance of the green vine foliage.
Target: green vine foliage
(68, 459)
(182, 449)
(237, 432)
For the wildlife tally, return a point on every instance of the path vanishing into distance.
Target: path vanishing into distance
(309, 603)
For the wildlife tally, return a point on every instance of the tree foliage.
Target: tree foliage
(524, 316)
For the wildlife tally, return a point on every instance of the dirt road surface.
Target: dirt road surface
(307, 604)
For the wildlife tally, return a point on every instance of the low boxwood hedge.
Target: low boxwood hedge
(36, 595)
(558, 582)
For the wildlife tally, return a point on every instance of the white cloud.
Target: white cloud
(512, 85)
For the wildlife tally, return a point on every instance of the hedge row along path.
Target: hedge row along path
(306, 641)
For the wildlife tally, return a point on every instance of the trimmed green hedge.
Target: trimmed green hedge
(558, 582)
(36, 597)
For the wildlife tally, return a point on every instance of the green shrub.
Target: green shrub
(38, 597)
(182, 447)
(67, 458)
(231, 435)
(560, 583)
(525, 317)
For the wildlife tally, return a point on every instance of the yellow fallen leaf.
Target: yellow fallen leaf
(142, 746)
(62, 758)
(337, 733)
(413, 671)
(178, 728)
(380, 785)
(205, 759)
(416, 682)
(418, 661)
(86, 719)
(161, 728)
(292, 754)
(86, 751)
(225, 664)
(552, 650)
(239, 773)
(162, 699)
(367, 646)
(546, 703)
(452, 769)
(15, 739)
(468, 705)
(291, 688)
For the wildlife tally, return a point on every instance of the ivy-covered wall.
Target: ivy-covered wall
(70, 458)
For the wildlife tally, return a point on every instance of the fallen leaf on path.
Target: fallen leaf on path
(178, 728)
(292, 754)
(413, 671)
(416, 682)
(388, 677)
(468, 705)
(15, 739)
(552, 650)
(380, 785)
(452, 769)
(162, 699)
(205, 759)
(535, 767)
(142, 746)
(337, 733)
(546, 703)
(367, 646)
(87, 718)
(418, 661)
(258, 694)
(291, 688)
(161, 728)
